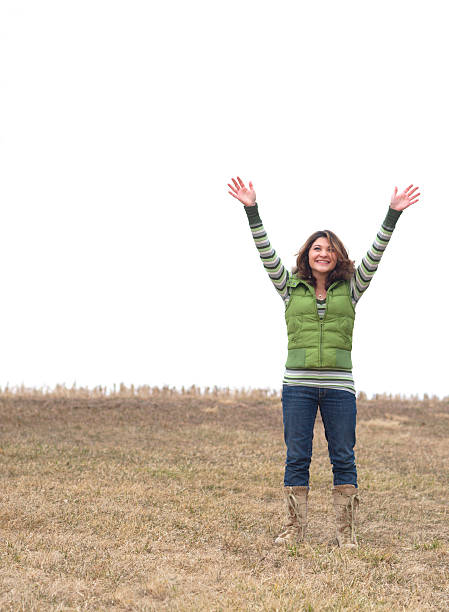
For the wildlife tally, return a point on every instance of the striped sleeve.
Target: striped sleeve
(365, 271)
(271, 261)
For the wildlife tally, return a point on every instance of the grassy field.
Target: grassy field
(170, 501)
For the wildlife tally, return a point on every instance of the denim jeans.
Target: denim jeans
(338, 411)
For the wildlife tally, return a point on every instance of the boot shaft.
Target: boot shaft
(296, 501)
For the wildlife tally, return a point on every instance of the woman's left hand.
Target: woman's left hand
(401, 201)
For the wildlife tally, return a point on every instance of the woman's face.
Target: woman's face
(322, 257)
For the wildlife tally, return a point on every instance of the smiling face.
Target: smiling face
(322, 257)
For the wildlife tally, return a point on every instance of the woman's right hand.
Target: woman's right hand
(241, 193)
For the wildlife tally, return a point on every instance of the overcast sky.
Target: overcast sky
(124, 259)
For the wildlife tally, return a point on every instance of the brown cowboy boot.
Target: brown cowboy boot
(296, 501)
(346, 502)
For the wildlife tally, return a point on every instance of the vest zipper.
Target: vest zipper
(321, 321)
(321, 341)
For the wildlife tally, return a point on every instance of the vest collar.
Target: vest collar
(294, 281)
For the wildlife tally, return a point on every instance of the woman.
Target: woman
(320, 298)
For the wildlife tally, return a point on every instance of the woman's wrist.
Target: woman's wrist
(392, 217)
(252, 212)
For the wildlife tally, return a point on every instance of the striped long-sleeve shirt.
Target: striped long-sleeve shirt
(330, 379)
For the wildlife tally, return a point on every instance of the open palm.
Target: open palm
(243, 194)
(401, 201)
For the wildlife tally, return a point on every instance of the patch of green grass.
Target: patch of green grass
(434, 544)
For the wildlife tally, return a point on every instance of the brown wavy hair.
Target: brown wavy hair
(343, 270)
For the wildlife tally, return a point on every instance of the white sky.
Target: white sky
(123, 257)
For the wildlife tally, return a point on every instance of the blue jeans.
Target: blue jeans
(338, 411)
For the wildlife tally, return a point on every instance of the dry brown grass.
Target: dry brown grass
(153, 500)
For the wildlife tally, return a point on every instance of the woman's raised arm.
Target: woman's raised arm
(368, 266)
(271, 262)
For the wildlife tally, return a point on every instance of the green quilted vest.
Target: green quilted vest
(319, 343)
